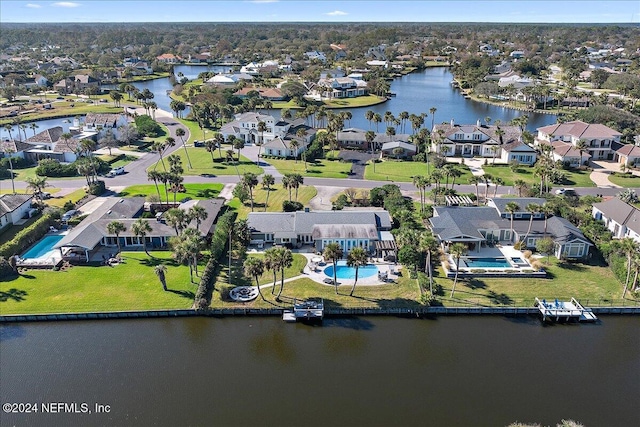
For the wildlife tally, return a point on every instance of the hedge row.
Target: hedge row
(218, 246)
(31, 234)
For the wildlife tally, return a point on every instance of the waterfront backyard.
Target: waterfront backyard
(133, 285)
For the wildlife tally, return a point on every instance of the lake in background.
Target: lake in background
(416, 93)
(369, 371)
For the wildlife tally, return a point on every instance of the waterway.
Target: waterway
(373, 371)
(415, 93)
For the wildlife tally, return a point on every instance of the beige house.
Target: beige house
(598, 137)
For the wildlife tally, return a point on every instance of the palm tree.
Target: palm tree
(377, 118)
(36, 183)
(284, 260)
(494, 150)
(158, 147)
(154, 176)
(294, 144)
(581, 146)
(532, 208)
(161, 271)
(357, 257)
(429, 245)
(254, 267)
(270, 263)
(547, 211)
(287, 182)
(498, 182)
(140, 229)
(333, 251)
(629, 248)
(176, 218)
(180, 133)
(432, 111)
(296, 181)
(219, 140)
(519, 185)
(8, 127)
(487, 180)
(369, 116)
(115, 228)
(197, 213)
(512, 208)
(249, 180)
(262, 127)
(33, 127)
(457, 250)
(475, 180)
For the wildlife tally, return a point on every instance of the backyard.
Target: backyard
(132, 285)
(574, 178)
(193, 191)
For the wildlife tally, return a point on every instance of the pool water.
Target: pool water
(487, 262)
(345, 272)
(43, 249)
(518, 260)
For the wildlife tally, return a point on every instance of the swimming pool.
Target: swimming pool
(486, 262)
(44, 248)
(345, 272)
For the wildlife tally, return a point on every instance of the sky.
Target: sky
(515, 11)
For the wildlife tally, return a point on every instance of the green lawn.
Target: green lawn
(404, 294)
(590, 284)
(626, 181)
(203, 165)
(65, 109)
(318, 169)
(60, 201)
(404, 171)
(360, 101)
(162, 136)
(194, 191)
(194, 131)
(132, 285)
(277, 195)
(574, 178)
(238, 277)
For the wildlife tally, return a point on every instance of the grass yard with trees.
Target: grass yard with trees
(277, 195)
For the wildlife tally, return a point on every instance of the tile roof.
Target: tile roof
(47, 136)
(579, 129)
(565, 149)
(629, 150)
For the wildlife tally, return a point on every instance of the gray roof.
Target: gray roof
(394, 144)
(11, 202)
(213, 208)
(304, 222)
(501, 203)
(345, 231)
(623, 213)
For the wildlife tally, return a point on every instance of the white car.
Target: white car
(562, 191)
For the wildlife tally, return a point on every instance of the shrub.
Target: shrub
(6, 270)
(54, 169)
(97, 188)
(17, 162)
(536, 265)
(68, 205)
(519, 245)
(288, 206)
(217, 247)
(146, 126)
(28, 236)
(527, 254)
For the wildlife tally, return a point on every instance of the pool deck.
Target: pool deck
(317, 274)
(50, 259)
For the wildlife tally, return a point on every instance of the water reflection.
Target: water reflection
(10, 332)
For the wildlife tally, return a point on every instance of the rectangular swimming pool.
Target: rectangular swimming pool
(486, 262)
(43, 248)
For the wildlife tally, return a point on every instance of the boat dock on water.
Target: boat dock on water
(311, 309)
(564, 311)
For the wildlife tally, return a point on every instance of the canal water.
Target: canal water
(369, 371)
(415, 93)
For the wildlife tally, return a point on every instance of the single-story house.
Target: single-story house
(283, 148)
(14, 207)
(88, 237)
(622, 219)
(349, 228)
(50, 144)
(398, 149)
(477, 226)
(272, 94)
(357, 138)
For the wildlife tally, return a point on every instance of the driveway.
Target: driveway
(601, 171)
(358, 161)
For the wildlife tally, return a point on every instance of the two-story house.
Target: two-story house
(597, 137)
(341, 87)
(622, 219)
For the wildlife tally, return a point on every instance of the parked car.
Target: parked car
(198, 143)
(565, 191)
(68, 215)
(116, 171)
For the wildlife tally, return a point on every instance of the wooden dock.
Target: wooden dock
(564, 311)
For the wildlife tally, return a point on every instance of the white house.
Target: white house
(622, 219)
(598, 137)
(284, 148)
(245, 127)
(13, 207)
(341, 87)
(628, 154)
(568, 153)
(453, 140)
(518, 151)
